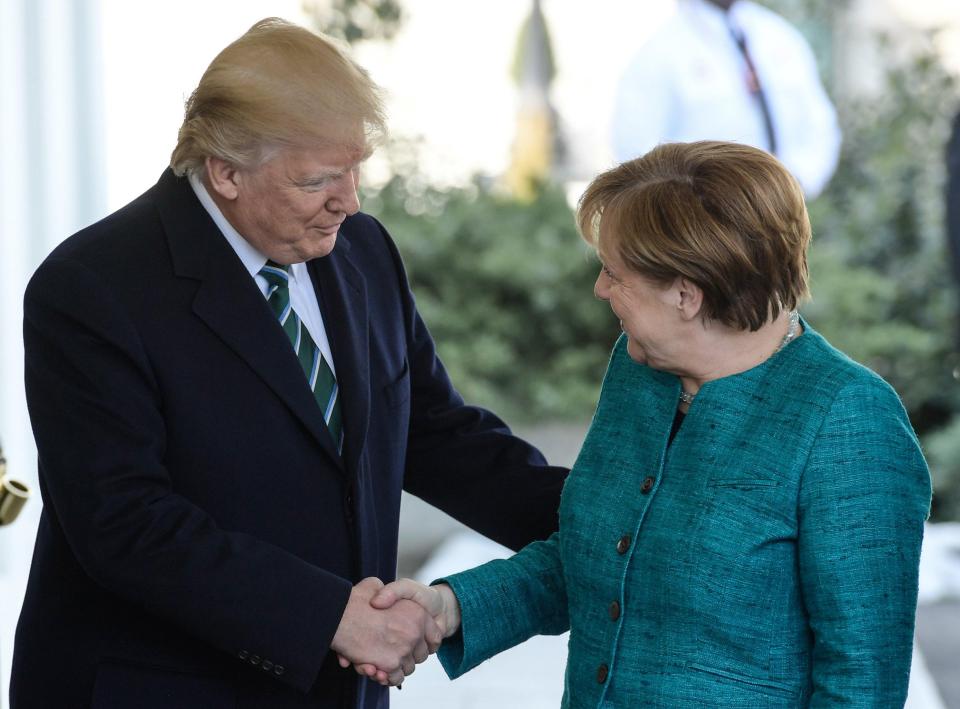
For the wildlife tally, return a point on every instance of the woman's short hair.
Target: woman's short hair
(727, 217)
(278, 85)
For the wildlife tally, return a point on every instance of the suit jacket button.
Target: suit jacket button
(279, 670)
(614, 610)
(267, 665)
(602, 672)
(243, 654)
(623, 544)
(254, 659)
(647, 485)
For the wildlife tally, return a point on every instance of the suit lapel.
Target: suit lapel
(342, 294)
(230, 304)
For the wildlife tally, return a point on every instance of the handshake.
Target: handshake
(386, 631)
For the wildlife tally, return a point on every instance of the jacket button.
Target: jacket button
(243, 654)
(254, 659)
(614, 610)
(279, 670)
(647, 485)
(602, 671)
(623, 544)
(267, 665)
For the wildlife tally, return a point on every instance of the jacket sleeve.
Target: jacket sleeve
(465, 460)
(864, 496)
(505, 602)
(97, 415)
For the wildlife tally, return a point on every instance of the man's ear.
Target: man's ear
(223, 177)
(689, 299)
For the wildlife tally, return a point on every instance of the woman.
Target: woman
(742, 527)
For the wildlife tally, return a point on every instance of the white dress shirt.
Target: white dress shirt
(302, 296)
(688, 82)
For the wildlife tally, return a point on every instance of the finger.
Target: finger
(421, 652)
(408, 589)
(344, 662)
(383, 678)
(366, 670)
(384, 598)
(395, 678)
(432, 635)
(371, 583)
(409, 665)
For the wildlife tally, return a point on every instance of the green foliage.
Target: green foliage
(881, 284)
(507, 291)
(355, 20)
(943, 453)
(815, 20)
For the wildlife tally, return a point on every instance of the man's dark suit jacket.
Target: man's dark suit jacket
(200, 534)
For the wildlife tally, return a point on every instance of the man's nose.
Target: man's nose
(345, 198)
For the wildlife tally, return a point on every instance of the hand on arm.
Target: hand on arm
(438, 603)
(391, 638)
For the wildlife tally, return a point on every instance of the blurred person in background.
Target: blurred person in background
(229, 385)
(729, 70)
(742, 527)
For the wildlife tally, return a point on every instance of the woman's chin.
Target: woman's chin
(636, 352)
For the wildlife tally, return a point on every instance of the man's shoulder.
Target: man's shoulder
(760, 21)
(115, 235)
(126, 249)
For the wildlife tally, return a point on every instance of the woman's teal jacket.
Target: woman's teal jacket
(766, 558)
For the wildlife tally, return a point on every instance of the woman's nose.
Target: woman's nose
(600, 288)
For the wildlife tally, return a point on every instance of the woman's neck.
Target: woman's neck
(721, 351)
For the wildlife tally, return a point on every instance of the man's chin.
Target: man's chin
(318, 247)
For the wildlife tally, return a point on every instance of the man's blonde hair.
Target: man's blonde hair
(725, 216)
(279, 85)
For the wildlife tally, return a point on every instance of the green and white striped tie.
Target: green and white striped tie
(319, 375)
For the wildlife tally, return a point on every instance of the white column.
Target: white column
(51, 184)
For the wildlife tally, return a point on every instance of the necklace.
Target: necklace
(792, 329)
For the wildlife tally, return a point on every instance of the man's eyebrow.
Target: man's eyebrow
(319, 178)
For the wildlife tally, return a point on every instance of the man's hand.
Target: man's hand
(392, 640)
(438, 601)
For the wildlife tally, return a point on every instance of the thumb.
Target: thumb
(409, 590)
(370, 585)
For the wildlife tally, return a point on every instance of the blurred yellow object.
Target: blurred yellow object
(13, 495)
(532, 153)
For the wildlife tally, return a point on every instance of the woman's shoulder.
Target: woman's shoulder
(818, 370)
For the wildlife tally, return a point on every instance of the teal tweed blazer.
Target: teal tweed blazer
(767, 558)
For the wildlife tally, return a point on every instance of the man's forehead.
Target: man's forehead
(324, 158)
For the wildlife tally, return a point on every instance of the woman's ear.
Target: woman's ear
(689, 299)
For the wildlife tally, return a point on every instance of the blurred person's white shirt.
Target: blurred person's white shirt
(688, 82)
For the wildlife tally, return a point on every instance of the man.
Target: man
(229, 385)
(729, 70)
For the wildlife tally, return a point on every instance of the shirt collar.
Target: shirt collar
(252, 259)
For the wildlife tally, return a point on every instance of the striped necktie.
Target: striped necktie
(319, 375)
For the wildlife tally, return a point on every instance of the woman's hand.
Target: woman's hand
(438, 601)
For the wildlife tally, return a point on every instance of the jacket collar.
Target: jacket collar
(229, 303)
